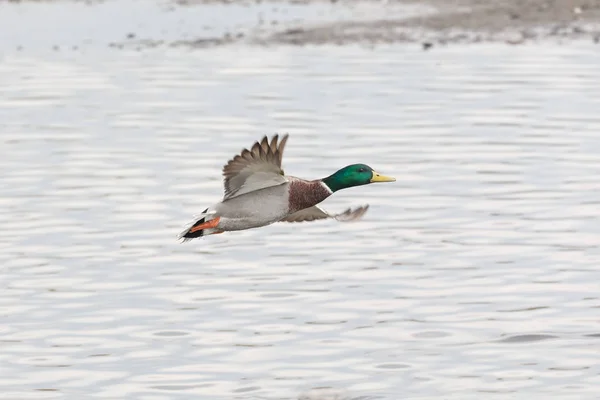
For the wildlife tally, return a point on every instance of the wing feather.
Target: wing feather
(316, 213)
(255, 169)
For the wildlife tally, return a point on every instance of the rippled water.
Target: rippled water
(473, 276)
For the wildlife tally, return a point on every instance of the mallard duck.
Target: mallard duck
(258, 193)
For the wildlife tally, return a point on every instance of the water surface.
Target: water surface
(473, 276)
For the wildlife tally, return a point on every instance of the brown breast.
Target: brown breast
(304, 194)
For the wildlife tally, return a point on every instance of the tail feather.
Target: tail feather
(186, 235)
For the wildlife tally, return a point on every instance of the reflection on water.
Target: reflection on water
(473, 275)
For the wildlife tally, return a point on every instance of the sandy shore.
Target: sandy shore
(448, 21)
(427, 23)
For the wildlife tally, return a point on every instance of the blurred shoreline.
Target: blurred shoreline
(201, 23)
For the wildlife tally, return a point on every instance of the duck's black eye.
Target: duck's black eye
(362, 169)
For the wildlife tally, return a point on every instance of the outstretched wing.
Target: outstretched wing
(315, 213)
(255, 169)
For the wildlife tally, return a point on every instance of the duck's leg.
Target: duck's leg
(206, 225)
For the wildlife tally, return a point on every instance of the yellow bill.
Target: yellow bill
(377, 177)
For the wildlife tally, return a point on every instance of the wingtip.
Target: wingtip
(353, 214)
(278, 136)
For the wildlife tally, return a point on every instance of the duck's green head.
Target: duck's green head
(354, 175)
